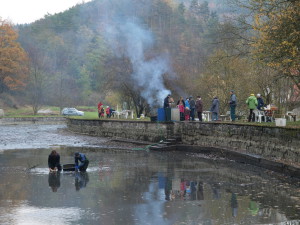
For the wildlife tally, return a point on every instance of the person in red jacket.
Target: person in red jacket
(107, 112)
(100, 105)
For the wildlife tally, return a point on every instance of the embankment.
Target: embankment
(32, 120)
(276, 148)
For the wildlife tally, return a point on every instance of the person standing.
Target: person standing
(107, 112)
(260, 102)
(187, 110)
(84, 162)
(99, 109)
(167, 101)
(167, 108)
(54, 161)
(232, 104)
(181, 107)
(215, 108)
(192, 108)
(199, 108)
(252, 104)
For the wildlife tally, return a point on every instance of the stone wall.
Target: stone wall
(31, 120)
(135, 130)
(268, 142)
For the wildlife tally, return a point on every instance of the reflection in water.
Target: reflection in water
(143, 188)
(234, 204)
(81, 180)
(54, 180)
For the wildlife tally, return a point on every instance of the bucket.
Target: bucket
(280, 122)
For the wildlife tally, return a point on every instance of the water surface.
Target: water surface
(139, 187)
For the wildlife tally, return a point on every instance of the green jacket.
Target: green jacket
(252, 102)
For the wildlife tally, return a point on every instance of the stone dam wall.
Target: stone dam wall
(32, 120)
(274, 143)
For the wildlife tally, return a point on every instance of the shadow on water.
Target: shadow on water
(143, 188)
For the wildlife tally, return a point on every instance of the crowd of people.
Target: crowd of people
(188, 108)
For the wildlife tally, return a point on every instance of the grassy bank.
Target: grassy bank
(91, 113)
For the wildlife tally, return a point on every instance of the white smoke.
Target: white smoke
(135, 40)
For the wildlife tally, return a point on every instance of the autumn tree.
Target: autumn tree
(13, 59)
(278, 41)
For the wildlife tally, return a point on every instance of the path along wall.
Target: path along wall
(268, 142)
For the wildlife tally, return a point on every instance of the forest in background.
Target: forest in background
(137, 51)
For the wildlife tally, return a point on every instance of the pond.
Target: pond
(140, 187)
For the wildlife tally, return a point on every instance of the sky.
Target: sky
(28, 11)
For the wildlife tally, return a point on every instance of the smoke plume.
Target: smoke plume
(135, 40)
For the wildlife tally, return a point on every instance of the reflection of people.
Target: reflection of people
(54, 161)
(200, 191)
(84, 162)
(168, 188)
(54, 181)
(81, 180)
(234, 204)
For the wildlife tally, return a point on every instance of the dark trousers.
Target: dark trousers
(192, 114)
(83, 166)
(251, 116)
(232, 112)
(200, 116)
(181, 116)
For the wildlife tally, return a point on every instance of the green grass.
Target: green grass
(91, 113)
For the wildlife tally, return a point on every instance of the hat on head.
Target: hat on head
(258, 95)
(252, 94)
(76, 153)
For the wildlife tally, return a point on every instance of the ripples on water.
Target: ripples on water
(142, 188)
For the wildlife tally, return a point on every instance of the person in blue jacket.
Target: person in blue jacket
(84, 162)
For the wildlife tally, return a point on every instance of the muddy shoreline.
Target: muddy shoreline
(35, 136)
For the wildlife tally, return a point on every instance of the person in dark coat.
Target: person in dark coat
(54, 161)
(232, 104)
(84, 162)
(192, 108)
(215, 109)
(260, 102)
(167, 101)
(199, 108)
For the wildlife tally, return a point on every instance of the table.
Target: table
(206, 115)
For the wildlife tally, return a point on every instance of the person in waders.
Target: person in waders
(81, 162)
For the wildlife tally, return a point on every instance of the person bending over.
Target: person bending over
(54, 162)
(84, 162)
